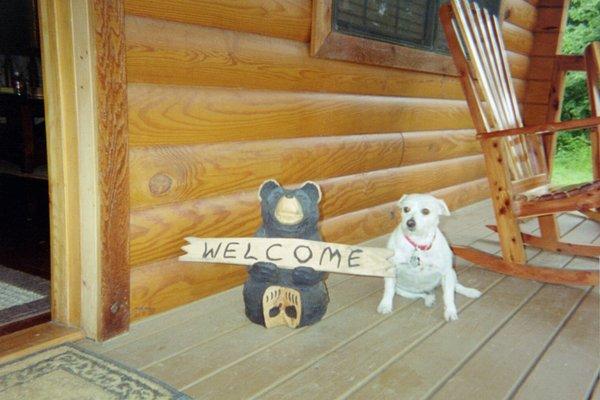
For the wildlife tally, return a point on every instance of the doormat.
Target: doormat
(22, 296)
(67, 372)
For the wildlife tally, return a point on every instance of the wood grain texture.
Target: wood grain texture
(517, 39)
(170, 283)
(538, 92)
(172, 53)
(540, 68)
(519, 13)
(375, 221)
(163, 285)
(160, 175)
(592, 61)
(238, 214)
(161, 115)
(344, 47)
(576, 344)
(549, 19)
(165, 52)
(289, 19)
(544, 44)
(111, 89)
(500, 186)
(31, 340)
(63, 173)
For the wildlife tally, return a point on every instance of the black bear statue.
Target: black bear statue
(276, 296)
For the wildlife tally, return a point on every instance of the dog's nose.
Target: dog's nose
(411, 223)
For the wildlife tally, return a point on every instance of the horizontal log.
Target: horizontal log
(519, 67)
(288, 19)
(238, 214)
(517, 39)
(361, 225)
(519, 13)
(168, 115)
(172, 53)
(279, 18)
(160, 175)
(170, 283)
(166, 284)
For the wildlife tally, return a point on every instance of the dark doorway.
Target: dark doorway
(24, 216)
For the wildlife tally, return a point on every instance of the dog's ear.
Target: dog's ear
(443, 207)
(401, 200)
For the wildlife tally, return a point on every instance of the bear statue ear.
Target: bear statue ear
(443, 207)
(313, 190)
(266, 188)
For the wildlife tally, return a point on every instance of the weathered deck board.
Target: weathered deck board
(568, 368)
(286, 359)
(496, 306)
(534, 340)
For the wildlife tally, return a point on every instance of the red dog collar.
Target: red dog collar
(422, 247)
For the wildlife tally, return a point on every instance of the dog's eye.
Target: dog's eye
(406, 209)
(425, 211)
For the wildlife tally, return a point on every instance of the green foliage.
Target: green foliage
(583, 26)
(572, 162)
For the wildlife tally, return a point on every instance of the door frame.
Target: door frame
(83, 67)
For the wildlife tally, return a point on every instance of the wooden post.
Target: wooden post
(111, 96)
(511, 241)
(592, 61)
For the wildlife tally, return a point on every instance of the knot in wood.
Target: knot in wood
(160, 184)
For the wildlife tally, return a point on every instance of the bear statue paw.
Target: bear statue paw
(306, 276)
(264, 272)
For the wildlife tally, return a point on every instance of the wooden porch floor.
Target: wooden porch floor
(521, 339)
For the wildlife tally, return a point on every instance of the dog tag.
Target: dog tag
(414, 261)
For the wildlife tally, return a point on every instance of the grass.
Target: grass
(572, 164)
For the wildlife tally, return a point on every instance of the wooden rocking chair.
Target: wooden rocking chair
(514, 155)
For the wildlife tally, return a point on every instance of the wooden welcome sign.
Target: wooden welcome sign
(291, 253)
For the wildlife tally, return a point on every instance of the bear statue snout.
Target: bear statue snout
(289, 211)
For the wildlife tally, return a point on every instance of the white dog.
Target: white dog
(423, 258)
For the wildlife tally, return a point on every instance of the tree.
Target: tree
(583, 27)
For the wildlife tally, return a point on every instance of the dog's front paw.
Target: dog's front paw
(385, 307)
(450, 314)
(429, 300)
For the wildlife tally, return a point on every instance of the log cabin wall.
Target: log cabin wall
(222, 97)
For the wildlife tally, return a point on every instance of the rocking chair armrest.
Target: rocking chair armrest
(541, 129)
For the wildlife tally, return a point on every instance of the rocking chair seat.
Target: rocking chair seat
(585, 198)
(560, 192)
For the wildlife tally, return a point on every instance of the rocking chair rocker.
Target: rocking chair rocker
(514, 155)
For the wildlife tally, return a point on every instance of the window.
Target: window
(400, 33)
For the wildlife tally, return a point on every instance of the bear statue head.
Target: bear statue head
(289, 212)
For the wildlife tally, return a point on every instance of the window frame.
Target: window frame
(327, 43)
